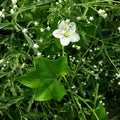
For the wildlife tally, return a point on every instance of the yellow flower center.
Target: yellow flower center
(66, 34)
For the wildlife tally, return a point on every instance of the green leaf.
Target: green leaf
(101, 113)
(44, 79)
(89, 29)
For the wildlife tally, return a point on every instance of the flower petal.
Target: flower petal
(57, 33)
(65, 41)
(62, 25)
(74, 37)
(72, 28)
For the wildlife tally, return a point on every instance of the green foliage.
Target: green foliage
(40, 79)
(44, 78)
(9, 101)
(101, 113)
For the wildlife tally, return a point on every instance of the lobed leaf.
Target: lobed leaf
(44, 79)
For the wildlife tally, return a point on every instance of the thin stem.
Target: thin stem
(110, 58)
(86, 104)
(62, 50)
(66, 82)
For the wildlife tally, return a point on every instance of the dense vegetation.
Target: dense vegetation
(59, 60)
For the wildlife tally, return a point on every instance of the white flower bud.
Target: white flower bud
(14, 2)
(35, 46)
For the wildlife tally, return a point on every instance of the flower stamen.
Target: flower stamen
(66, 34)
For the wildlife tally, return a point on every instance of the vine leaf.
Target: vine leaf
(44, 78)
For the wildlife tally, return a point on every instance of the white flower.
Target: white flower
(102, 13)
(66, 32)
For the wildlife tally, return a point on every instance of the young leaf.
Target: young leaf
(44, 78)
(101, 113)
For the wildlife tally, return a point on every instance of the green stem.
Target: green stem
(86, 104)
(96, 95)
(110, 58)
(62, 50)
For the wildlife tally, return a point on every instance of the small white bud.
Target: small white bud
(35, 46)
(91, 18)
(1, 61)
(25, 30)
(36, 23)
(14, 2)
(41, 40)
(12, 11)
(39, 54)
(14, 6)
(48, 28)
(119, 29)
(2, 14)
(42, 29)
(118, 83)
(78, 18)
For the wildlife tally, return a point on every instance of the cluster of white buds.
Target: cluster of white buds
(102, 13)
(12, 11)
(77, 47)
